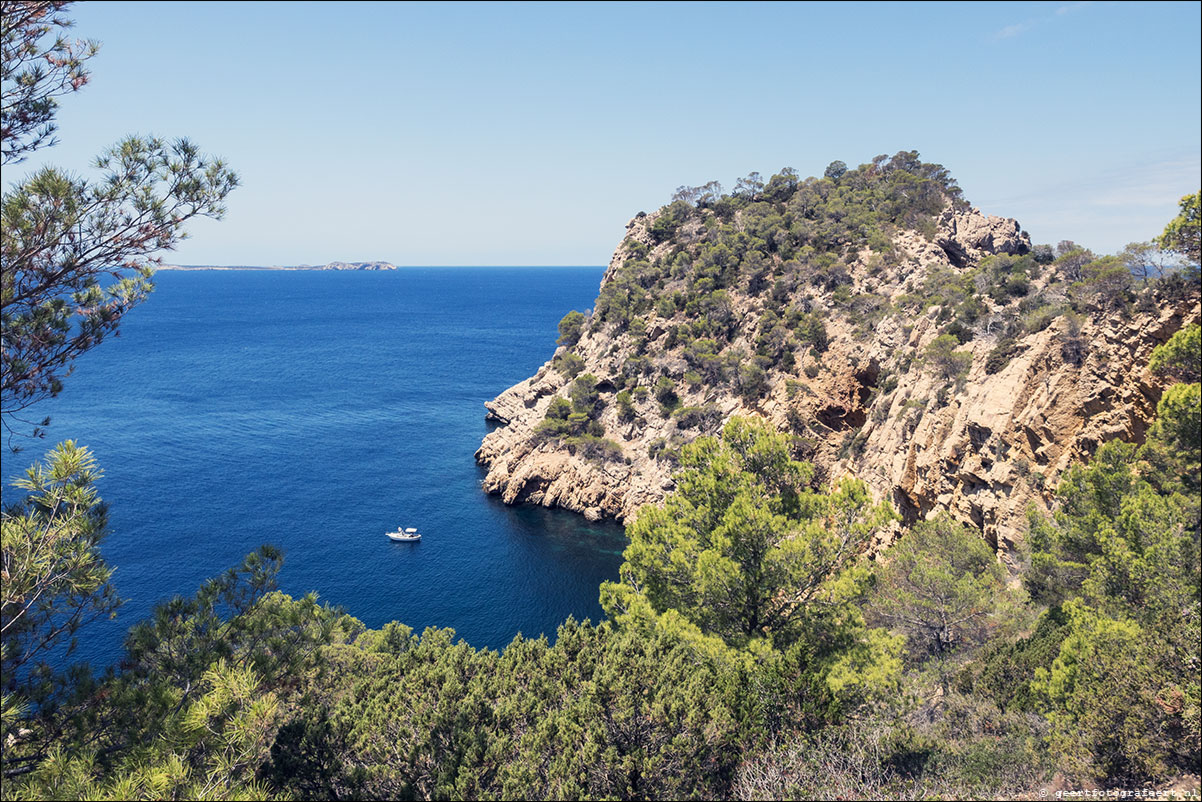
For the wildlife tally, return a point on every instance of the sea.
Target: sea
(317, 411)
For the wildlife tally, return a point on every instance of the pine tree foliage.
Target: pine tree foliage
(63, 236)
(1183, 234)
(54, 579)
(1122, 559)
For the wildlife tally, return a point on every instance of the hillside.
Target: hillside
(902, 337)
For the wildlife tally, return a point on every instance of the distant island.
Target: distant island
(331, 266)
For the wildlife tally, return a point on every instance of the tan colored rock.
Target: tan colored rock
(968, 236)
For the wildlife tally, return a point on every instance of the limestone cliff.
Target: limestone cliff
(929, 353)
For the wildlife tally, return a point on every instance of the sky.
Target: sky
(530, 133)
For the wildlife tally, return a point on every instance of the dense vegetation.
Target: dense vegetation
(754, 649)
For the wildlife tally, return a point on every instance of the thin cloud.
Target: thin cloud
(1104, 209)
(1150, 186)
(1071, 7)
(1011, 31)
(1149, 182)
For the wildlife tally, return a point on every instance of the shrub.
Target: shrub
(585, 398)
(568, 364)
(669, 221)
(948, 362)
(1105, 283)
(625, 404)
(575, 418)
(559, 409)
(753, 382)
(594, 447)
(634, 248)
(853, 444)
(636, 366)
(810, 329)
(969, 751)
(1005, 669)
(1040, 318)
(1073, 346)
(705, 356)
(788, 361)
(657, 448)
(1115, 709)
(704, 417)
(570, 328)
(1181, 356)
(665, 394)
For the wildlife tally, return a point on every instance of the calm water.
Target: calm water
(315, 411)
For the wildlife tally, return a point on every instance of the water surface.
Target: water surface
(315, 411)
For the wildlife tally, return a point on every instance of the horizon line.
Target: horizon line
(323, 268)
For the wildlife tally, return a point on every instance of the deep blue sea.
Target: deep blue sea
(316, 411)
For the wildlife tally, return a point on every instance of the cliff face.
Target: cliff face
(1047, 362)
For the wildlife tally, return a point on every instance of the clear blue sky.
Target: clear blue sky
(448, 134)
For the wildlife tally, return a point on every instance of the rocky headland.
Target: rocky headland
(902, 336)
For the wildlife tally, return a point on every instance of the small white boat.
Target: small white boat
(404, 534)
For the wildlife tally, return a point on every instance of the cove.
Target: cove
(315, 411)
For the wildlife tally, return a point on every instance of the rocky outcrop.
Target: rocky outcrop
(999, 445)
(983, 445)
(967, 236)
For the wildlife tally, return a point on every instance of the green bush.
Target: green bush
(570, 328)
(585, 398)
(1104, 284)
(1181, 357)
(1039, 319)
(705, 418)
(625, 402)
(753, 381)
(1005, 669)
(665, 394)
(669, 221)
(568, 364)
(948, 363)
(594, 447)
